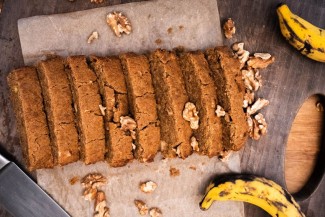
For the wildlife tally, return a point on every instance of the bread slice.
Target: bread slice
(58, 106)
(142, 105)
(202, 92)
(114, 93)
(112, 86)
(87, 99)
(171, 98)
(230, 88)
(26, 96)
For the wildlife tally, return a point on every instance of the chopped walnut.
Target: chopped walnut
(92, 37)
(258, 126)
(128, 125)
(174, 172)
(148, 187)
(229, 28)
(142, 207)
(190, 114)
(119, 23)
(155, 212)
(90, 193)
(177, 150)
(195, 144)
(101, 209)
(248, 98)
(102, 109)
(133, 146)
(250, 81)
(319, 107)
(260, 60)
(97, 1)
(220, 111)
(224, 155)
(240, 53)
(93, 180)
(258, 105)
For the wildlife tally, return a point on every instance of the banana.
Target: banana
(304, 36)
(255, 190)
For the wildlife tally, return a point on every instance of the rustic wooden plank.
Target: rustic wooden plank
(287, 83)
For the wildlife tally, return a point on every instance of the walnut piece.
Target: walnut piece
(240, 53)
(257, 126)
(195, 144)
(173, 171)
(229, 28)
(92, 37)
(248, 98)
(102, 109)
(93, 180)
(128, 125)
(251, 82)
(177, 150)
(119, 23)
(97, 1)
(101, 209)
(155, 212)
(258, 105)
(190, 114)
(148, 187)
(220, 111)
(142, 207)
(90, 193)
(260, 60)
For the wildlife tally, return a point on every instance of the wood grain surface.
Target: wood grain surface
(287, 83)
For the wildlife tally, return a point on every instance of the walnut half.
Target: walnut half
(119, 23)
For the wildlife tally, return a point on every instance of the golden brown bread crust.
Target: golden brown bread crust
(32, 126)
(58, 106)
(142, 105)
(87, 99)
(230, 91)
(171, 98)
(201, 91)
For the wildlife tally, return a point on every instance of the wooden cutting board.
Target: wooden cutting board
(287, 83)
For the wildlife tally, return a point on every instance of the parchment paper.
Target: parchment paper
(67, 34)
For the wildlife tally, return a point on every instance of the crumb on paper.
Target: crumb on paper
(170, 30)
(224, 155)
(192, 167)
(74, 180)
(191, 114)
(155, 212)
(174, 172)
(92, 37)
(97, 1)
(148, 187)
(220, 112)
(142, 207)
(158, 41)
(119, 23)
(128, 124)
(101, 209)
(194, 144)
(260, 60)
(102, 109)
(229, 28)
(181, 27)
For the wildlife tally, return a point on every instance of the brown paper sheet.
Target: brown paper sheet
(195, 25)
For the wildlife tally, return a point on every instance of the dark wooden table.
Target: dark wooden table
(287, 83)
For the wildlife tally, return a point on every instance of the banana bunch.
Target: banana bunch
(255, 190)
(304, 36)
